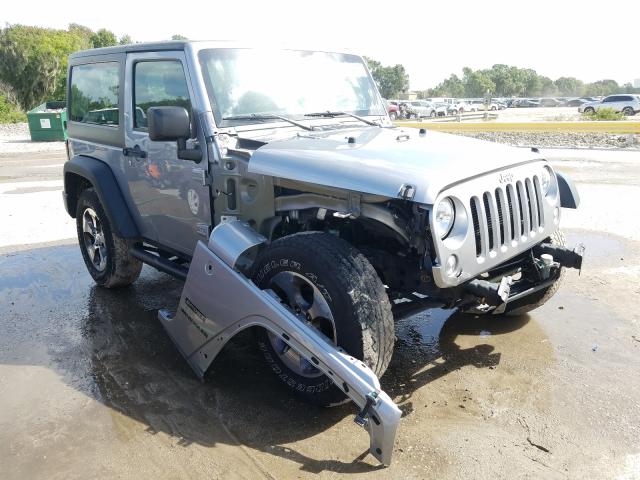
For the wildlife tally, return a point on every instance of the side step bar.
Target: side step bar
(219, 301)
(162, 264)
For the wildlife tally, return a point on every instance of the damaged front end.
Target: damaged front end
(219, 301)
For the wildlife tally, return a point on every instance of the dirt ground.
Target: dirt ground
(91, 386)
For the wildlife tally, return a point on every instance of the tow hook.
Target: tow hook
(493, 293)
(564, 256)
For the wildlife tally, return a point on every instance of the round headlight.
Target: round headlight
(545, 180)
(443, 217)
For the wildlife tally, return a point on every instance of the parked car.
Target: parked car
(575, 102)
(591, 99)
(316, 229)
(550, 102)
(423, 108)
(392, 109)
(526, 103)
(627, 104)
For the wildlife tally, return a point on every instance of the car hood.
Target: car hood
(380, 161)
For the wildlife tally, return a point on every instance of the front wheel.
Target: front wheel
(333, 288)
(393, 115)
(589, 110)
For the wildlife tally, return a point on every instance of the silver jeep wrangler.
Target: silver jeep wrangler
(360, 222)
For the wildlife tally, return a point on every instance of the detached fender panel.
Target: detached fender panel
(569, 197)
(103, 181)
(218, 301)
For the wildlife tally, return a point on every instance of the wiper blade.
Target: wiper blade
(330, 114)
(261, 117)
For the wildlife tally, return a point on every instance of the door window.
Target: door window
(158, 84)
(94, 93)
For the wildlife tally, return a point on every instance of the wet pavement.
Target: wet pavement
(91, 386)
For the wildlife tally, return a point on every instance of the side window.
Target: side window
(158, 84)
(612, 99)
(94, 93)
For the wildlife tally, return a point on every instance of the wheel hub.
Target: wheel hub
(94, 240)
(306, 300)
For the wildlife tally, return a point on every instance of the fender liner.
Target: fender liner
(569, 197)
(99, 174)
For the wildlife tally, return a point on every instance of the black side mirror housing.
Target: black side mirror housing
(172, 124)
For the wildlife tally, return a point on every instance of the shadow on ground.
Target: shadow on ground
(110, 345)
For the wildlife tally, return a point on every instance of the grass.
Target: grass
(582, 126)
(604, 114)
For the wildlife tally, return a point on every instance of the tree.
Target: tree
(476, 84)
(390, 80)
(602, 87)
(178, 37)
(450, 87)
(33, 61)
(568, 86)
(103, 38)
(125, 40)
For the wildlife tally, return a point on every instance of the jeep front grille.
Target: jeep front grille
(501, 215)
(501, 218)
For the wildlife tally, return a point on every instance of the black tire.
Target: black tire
(432, 114)
(393, 115)
(628, 111)
(119, 267)
(589, 110)
(349, 287)
(539, 298)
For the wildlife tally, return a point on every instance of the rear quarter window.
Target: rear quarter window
(94, 93)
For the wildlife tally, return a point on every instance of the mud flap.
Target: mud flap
(218, 301)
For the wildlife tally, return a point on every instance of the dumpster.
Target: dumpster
(48, 122)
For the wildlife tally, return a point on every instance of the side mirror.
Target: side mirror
(172, 124)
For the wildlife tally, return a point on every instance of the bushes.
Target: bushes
(9, 113)
(604, 114)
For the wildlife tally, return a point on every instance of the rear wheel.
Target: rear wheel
(628, 111)
(393, 115)
(105, 254)
(333, 288)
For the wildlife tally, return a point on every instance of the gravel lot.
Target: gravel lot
(15, 138)
(560, 139)
(91, 386)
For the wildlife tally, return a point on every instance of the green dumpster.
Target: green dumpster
(48, 122)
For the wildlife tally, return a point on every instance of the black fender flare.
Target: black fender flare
(104, 182)
(569, 197)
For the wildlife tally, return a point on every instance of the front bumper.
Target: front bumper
(548, 260)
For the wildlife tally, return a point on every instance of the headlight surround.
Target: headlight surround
(545, 180)
(443, 217)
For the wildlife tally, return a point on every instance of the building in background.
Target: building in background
(636, 83)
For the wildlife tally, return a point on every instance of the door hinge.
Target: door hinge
(202, 176)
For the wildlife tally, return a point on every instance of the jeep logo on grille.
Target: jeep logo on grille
(505, 177)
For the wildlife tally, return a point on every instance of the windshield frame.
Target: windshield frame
(202, 57)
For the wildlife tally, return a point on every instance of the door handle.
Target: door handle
(136, 152)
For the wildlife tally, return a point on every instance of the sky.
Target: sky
(431, 38)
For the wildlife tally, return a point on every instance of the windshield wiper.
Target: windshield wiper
(261, 117)
(330, 114)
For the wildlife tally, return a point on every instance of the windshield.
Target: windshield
(289, 83)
